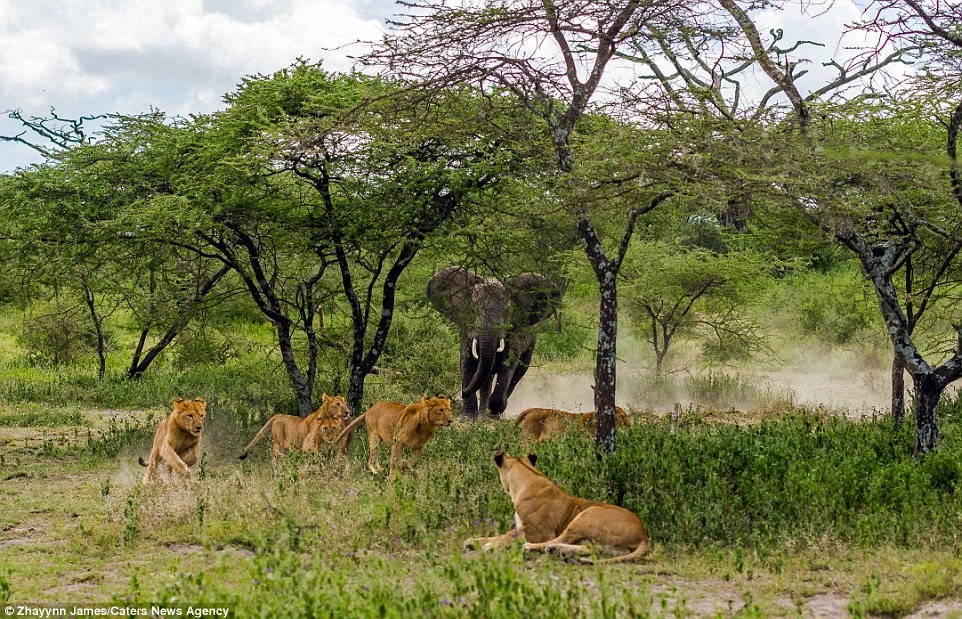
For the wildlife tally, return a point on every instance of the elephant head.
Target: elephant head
(495, 321)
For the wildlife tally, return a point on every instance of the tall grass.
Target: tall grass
(795, 480)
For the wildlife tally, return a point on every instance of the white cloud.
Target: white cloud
(98, 56)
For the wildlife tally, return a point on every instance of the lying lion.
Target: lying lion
(401, 426)
(542, 423)
(177, 440)
(550, 520)
(310, 433)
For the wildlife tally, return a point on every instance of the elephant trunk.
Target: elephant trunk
(485, 348)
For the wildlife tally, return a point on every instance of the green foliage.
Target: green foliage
(132, 509)
(836, 306)
(801, 479)
(119, 435)
(693, 292)
(5, 590)
(53, 333)
(573, 341)
(421, 356)
(198, 345)
(283, 584)
(247, 390)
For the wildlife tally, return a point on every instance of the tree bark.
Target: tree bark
(364, 356)
(606, 364)
(302, 389)
(928, 390)
(898, 391)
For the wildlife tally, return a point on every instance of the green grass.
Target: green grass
(746, 519)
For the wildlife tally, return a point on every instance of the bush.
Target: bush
(52, 333)
(836, 307)
(199, 345)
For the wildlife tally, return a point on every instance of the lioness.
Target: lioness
(293, 432)
(542, 423)
(551, 520)
(322, 434)
(177, 441)
(401, 426)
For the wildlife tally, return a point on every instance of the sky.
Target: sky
(85, 57)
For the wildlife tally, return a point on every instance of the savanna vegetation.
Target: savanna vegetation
(279, 249)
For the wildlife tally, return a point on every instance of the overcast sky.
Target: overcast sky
(181, 56)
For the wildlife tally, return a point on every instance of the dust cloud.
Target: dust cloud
(836, 381)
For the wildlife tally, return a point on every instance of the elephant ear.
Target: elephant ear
(450, 292)
(533, 298)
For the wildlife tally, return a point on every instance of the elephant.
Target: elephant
(496, 323)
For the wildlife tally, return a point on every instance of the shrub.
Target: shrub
(52, 333)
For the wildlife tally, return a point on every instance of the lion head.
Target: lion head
(189, 415)
(621, 417)
(323, 432)
(439, 410)
(333, 407)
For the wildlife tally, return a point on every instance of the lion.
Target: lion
(322, 434)
(177, 440)
(401, 426)
(542, 423)
(553, 521)
(293, 432)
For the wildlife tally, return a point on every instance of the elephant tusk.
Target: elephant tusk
(474, 348)
(501, 345)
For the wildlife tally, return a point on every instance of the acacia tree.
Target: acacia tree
(702, 64)
(552, 58)
(67, 226)
(708, 61)
(932, 28)
(679, 292)
(311, 184)
(858, 200)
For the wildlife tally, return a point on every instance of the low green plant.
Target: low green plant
(282, 583)
(5, 590)
(132, 507)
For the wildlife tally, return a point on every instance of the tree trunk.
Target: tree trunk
(98, 329)
(661, 353)
(355, 391)
(605, 364)
(928, 390)
(736, 213)
(132, 371)
(303, 388)
(898, 391)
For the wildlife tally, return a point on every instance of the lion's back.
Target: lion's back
(383, 417)
(289, 430)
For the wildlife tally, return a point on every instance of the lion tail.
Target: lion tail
(637, 553)
(346, 431)
(257, 437)
(520, 419)
(141, 460)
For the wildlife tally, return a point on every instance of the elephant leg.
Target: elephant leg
(510, 375)
(499, 398)
(470, 406)
(524, 361)
(468, 367)
(484, 396)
